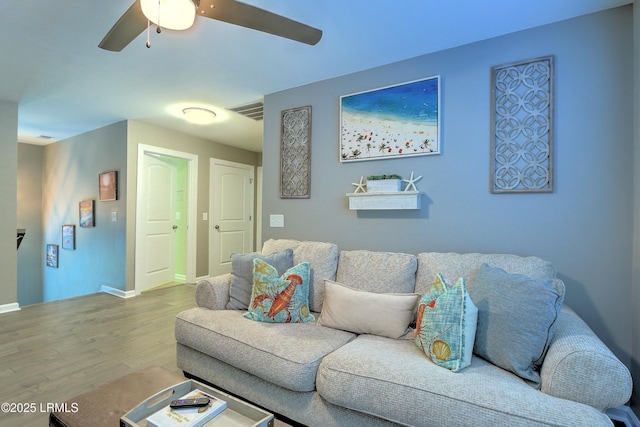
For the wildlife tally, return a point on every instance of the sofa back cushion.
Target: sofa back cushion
(242, 274)
(454, 265)
(322, 258)
(381, 272)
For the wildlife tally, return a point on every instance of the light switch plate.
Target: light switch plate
(276, 220)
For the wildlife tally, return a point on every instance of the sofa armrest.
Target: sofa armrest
(213, 292)
(580, 367)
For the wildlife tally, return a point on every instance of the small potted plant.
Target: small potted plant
(384, 183)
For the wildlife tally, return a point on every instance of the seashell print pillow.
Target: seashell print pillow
(446, 324)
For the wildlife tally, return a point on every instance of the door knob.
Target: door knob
(217, 227)
(175, 227)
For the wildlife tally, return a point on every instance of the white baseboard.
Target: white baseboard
(6, 308)
(117, 292)
(624, 414)
(180, 277)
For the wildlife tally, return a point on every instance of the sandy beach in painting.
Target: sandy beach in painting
(369, 136)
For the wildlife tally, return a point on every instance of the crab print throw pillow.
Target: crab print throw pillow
(280, 299)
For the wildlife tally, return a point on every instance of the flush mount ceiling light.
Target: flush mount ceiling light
(169, 14)
(198, 115)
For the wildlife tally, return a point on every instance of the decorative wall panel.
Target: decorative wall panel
(522, 127)
(295, 154)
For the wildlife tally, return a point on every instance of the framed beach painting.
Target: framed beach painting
(52, 255)
(69, 237)
(391, 122)
(87, 213)
(108, 186)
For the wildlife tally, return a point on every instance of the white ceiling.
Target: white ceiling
(50, 63)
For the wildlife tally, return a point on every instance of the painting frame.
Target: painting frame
(108, 186)
(295, 153)
(87, 211)
(51, 255)
(396, 121)
(522, 126)
(69, 237)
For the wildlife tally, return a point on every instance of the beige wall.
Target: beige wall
(30, 264)
(142, 133)
(8, 204)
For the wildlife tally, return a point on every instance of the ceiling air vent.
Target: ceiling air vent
(253, 111)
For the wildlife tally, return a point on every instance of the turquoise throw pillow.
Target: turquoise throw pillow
(446, 324)
(280, 299)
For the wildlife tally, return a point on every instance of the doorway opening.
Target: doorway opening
(166, 217)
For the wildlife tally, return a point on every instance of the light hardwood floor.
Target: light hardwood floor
(51, 352)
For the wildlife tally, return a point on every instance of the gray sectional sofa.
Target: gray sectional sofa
(324, 376)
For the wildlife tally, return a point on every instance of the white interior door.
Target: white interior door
(232, 192)
(156, 247)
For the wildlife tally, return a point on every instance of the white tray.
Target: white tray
(237, 413)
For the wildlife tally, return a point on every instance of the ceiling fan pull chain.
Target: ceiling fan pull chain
(158, 28)
(148, 37)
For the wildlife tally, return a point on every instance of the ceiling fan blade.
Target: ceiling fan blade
(128, 27)
(248, 16)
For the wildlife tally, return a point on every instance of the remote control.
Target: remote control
(190, 403)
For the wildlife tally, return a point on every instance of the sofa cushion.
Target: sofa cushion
(321, 256)
(280, 299)
(390, 379)
(381, 272)
(285, 354)
(242, 274)
(446, 325)
(388, 315)
(516, 319)
(467, 265)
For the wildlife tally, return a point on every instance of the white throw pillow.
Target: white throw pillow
(387, 315)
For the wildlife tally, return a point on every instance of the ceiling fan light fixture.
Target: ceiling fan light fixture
(198, 115)
(170, 14)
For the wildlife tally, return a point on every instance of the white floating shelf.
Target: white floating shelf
(385, 201)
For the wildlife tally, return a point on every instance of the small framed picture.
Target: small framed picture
(69, 237)
(108, 186)
(52, 255)
(87, 213)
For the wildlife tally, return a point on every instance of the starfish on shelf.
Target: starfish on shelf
(411, 182)
(360, 186)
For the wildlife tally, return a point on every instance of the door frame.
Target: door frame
(212, 162)
(257, 239)
(192, 214)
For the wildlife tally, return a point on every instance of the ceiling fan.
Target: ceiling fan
(136, 19)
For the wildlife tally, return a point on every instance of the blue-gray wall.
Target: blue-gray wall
(70, 174)
(584, 227)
